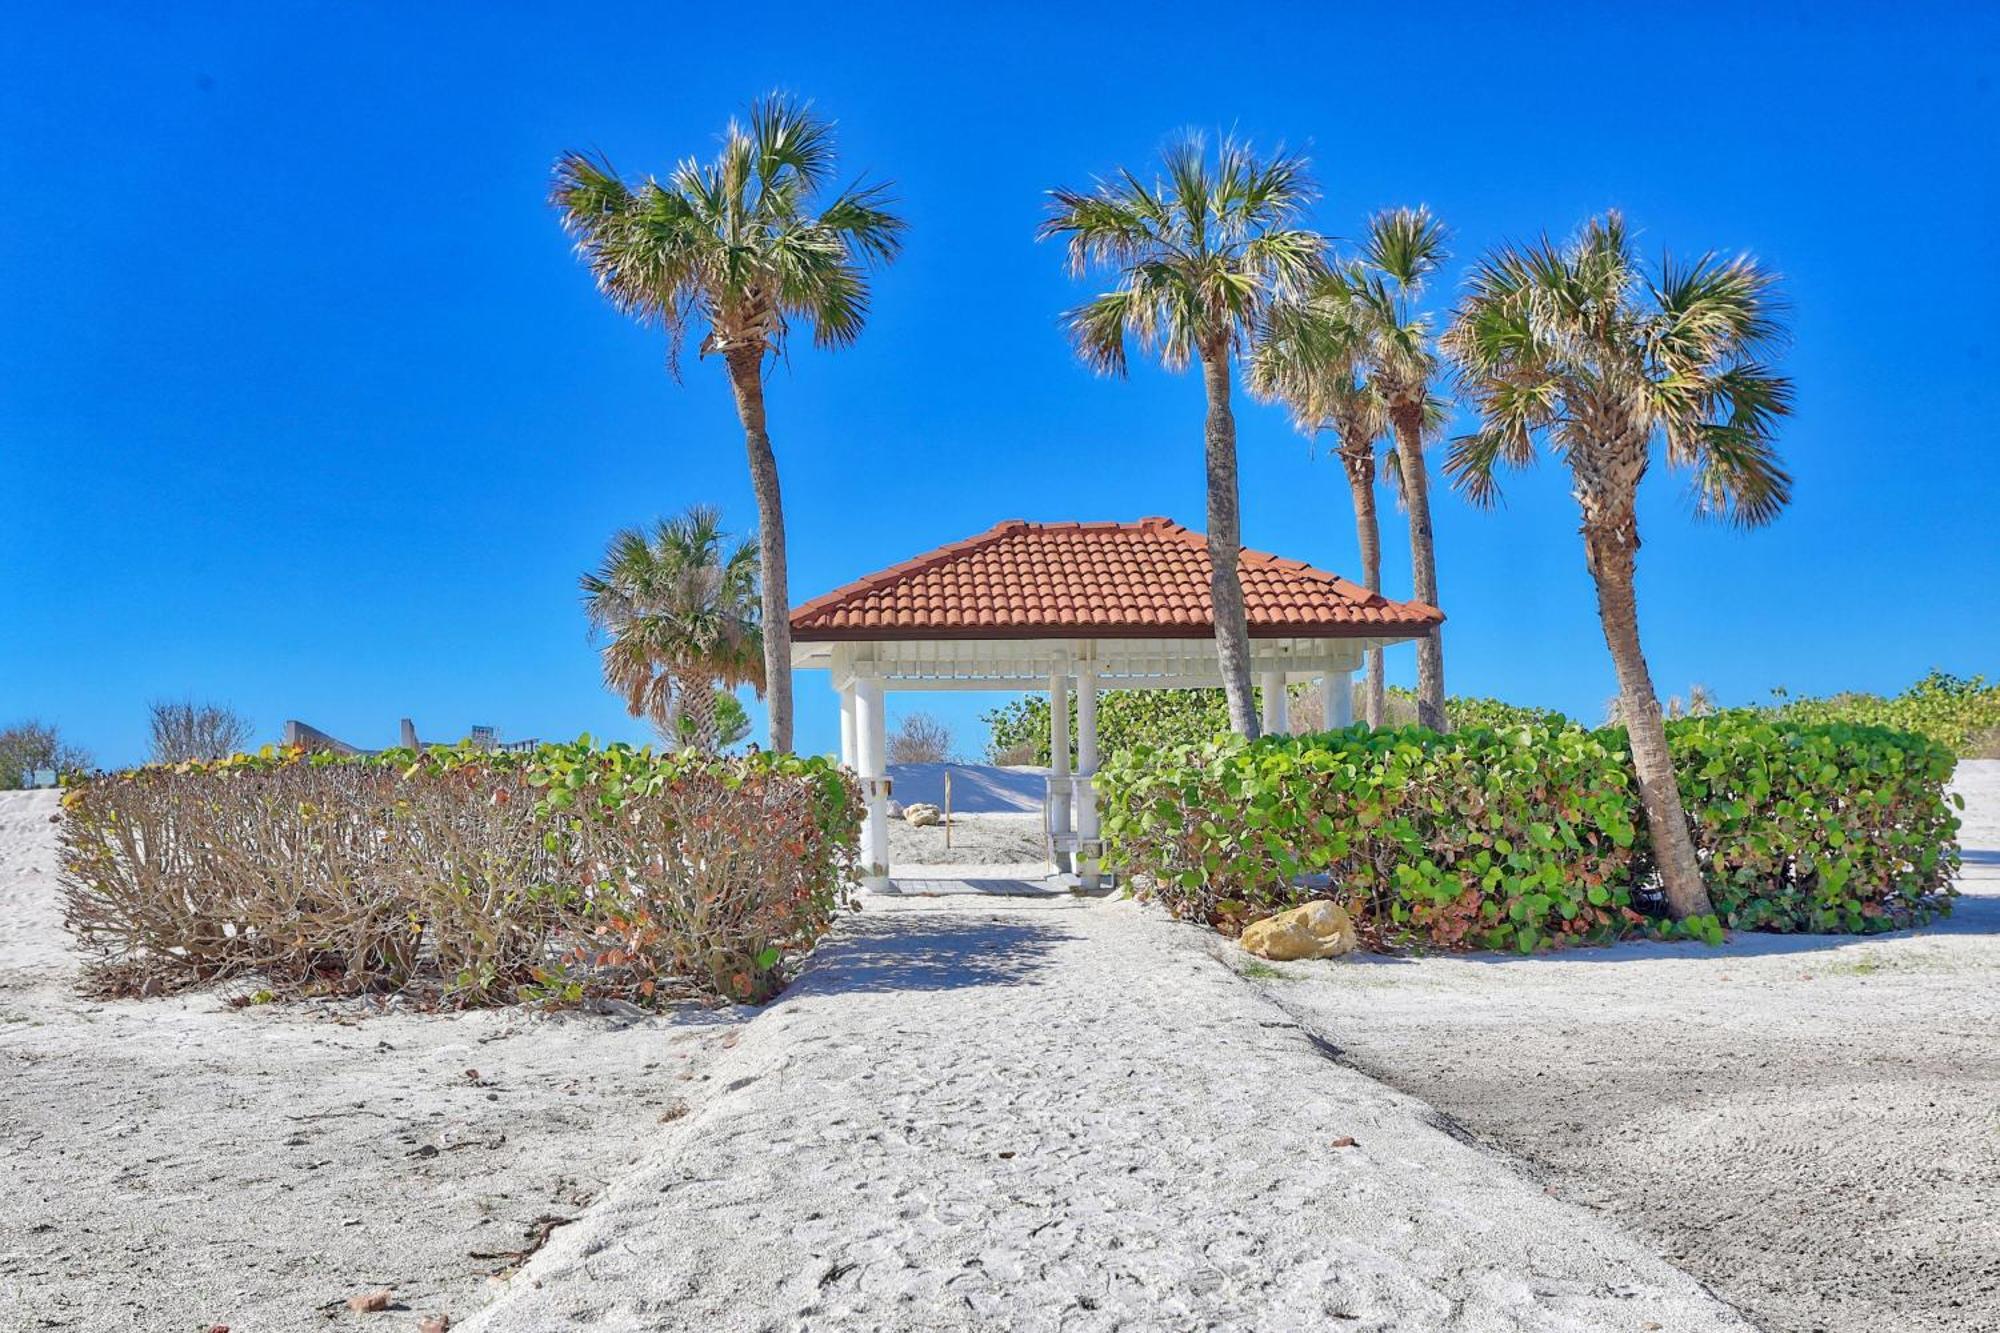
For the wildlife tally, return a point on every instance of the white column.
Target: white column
(1277, 707)
(1336, 695)
(1058, 813)
(871, 734)
(1086, 769)
(848, 758)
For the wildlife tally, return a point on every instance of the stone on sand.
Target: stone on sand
(1317, 930)
(922, 814)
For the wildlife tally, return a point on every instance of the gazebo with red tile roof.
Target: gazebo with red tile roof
(1085, 605)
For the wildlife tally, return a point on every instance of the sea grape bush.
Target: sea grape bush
(459, 876)
(1495, 839)
(1959, 712)
(1830, 828)
(1531, 836)
(1157, 719)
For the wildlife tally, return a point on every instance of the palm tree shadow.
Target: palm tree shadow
(927, 951)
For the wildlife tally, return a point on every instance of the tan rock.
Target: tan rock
(922, 814)
(1317, 930)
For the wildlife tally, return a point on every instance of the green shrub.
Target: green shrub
(1522, 837)
(1468, 714)
(1960, 713)
(1126, 720)
(460, 876)
(1828, 828)
(1160, 719)
(1502, 839)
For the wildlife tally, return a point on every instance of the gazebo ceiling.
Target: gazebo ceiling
(1149, 579)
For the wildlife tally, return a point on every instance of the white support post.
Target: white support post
(1277, 705)
(1336, 694)
(1086, 774)
(1059, 805)
(871, 734)
(848, 757)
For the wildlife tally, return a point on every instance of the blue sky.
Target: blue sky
(306, 406)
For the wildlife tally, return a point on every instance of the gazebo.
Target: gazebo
(1083, 607)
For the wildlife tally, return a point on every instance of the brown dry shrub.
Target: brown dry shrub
(460, 879)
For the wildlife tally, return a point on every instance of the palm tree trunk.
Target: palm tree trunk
(746, 378)
(696, 696)
(1360, 465)
(1408, 419)
(1610, 548)
(1225, 544)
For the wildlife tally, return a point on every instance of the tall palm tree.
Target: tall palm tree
(678, 606)
(1198, 253)
(736, 246)
(1307, 355)
(1381, 291)
(1583, 349)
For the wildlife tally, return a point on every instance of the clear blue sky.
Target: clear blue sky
(306, 406)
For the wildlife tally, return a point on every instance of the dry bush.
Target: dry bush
(183, 729)
(921, 739)
(33, 746)
(461, 878)
(713, 881)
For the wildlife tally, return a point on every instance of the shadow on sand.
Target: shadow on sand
(924, 951)
(1971, 914)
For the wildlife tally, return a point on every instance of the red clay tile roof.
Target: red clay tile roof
(1148, 579)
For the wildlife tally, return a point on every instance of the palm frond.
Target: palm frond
(1406, 244)
(1579, 347)
(679, 599)
(1195, 256)
(735, 241)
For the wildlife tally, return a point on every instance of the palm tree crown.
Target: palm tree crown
(1582, 347)
(1308, 355)
(1199, 251)
(1199, 254)
(1371, 305)
(679, 607)
(735, 243)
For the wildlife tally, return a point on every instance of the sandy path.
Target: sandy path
(173, 1164)
(1064, 1114)
(1809, 1124)
(1011, 840)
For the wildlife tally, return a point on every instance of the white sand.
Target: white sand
(1811, 1124)
(1064, 1114)
(1002, 843)
(976, 789)
(980, 1113)
(173, 1164)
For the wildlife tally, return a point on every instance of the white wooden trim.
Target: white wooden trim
(871, 726)
(1087, 828)
(1337, 699)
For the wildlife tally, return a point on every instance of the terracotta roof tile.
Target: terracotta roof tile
(1023, 580)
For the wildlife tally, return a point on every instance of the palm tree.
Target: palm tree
(679, 607)
(1307, 355)
(1584, 350)
(1199, 252)
(1380, 292)
(735, 246)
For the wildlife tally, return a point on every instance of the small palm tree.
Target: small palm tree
(1307, 355)
(1584, 350)
(678, 606)
(1198, 252)
(736, 246)
(1380, 293)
